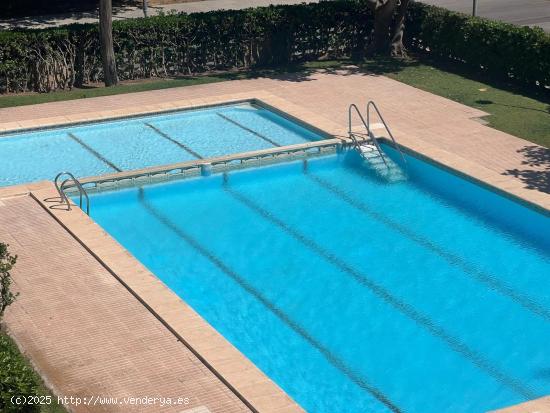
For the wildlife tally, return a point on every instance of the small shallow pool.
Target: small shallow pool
(354, 294)
(120, 145)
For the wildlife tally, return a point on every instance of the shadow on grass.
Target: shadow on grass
(288, 73)
(470, 73)
(304, 71)
(490, 102)
(534, 157)
(382, 65)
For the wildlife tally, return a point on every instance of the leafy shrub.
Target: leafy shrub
(173, 45)
(7, 261)
(16, 378)
(502, 50)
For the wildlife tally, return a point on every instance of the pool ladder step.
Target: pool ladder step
(72, 182)
(368, 147)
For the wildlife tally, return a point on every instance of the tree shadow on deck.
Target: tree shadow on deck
(491, 102)
(537, 177)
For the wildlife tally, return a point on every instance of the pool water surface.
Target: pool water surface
(355, 294)
(121, 145)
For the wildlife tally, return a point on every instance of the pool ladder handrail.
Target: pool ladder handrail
(352, 134)
(61, 190)
(395, 145)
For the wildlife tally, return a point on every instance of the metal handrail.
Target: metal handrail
(396, 146)
(366, 125)
(76, 182)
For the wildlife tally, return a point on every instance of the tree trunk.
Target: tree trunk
(397, 48)
(145, 8)
(106, 37)
(383, 13)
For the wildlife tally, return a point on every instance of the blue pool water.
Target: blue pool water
(430, 294)
(108, 147)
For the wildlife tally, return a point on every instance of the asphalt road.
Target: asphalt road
(133, 12)
(520, 12)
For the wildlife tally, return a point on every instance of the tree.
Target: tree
(7, 262)
(145, 8)
(106, 38)
(388, 30)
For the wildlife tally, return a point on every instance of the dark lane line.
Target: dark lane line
(485, 278)
(403, 307)
(259, 135)
(332, 358)
(168, 137)
(94, 152)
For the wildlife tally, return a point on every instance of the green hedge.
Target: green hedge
(503, 50)
(51, 59)
(16, 378)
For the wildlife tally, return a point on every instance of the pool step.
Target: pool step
(388, 170)
(367, 145)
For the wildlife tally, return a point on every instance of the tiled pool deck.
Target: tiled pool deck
(85, 333)
(94, 321)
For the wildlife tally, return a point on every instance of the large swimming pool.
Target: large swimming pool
(354, 294)
(113, 146)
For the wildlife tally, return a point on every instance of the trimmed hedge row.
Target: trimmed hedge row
(163, 46)
(172, 45)
(503, 50)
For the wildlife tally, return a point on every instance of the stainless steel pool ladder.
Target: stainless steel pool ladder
(371, 142)
(75, 182)
(364, 143)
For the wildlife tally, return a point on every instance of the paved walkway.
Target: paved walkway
(415, 115)
(520, 12)
(122, 13)
(86, 334)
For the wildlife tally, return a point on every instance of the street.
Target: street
(520, 12)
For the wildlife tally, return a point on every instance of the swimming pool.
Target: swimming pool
(352, 293)
(120, 145)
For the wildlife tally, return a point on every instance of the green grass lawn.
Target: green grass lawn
(511, 110)
(9, 353)
(11, 100)
(522, 113)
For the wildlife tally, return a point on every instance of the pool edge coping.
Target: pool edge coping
(226, 362)
(232, 367)
(260, 98)
(486, 178)
(240, 375)
(504, 185)
(466, 169)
